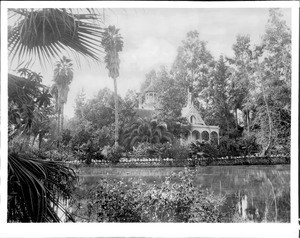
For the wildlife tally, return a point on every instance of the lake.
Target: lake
(259, 193)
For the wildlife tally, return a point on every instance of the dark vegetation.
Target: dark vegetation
(176, 199)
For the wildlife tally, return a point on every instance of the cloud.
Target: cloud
(150, 53)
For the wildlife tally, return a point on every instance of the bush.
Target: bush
(66, 137)
(148, 150)
(202, 150)
(161, 150)
(112, 153)
(179, 153)
(56, 155)
(177, 199)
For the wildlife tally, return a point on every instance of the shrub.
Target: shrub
(112, 153)
(160, 150)
(148, 150)
(202, 149)
(56, 155)
(66, 137)
(179, 153)
(177, 199)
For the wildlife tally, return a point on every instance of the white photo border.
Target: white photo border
(161, 229)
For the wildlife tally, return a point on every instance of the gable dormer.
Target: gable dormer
(191, 113)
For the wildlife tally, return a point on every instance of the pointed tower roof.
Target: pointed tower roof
(150, 88)
(190, 110)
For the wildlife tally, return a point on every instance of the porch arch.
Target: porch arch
(205, 135)
(196, 135)
(214, 138)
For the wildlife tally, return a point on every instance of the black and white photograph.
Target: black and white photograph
(163, 115)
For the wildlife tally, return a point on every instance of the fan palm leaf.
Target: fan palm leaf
(63, 76)
(146, 131)
(34, 186)
(45, 34)
(113, 44)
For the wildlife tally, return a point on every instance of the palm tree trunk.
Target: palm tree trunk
(116, 112)
(58, 125)
(62, 117)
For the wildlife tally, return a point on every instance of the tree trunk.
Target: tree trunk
(266, 149)
(58, 125)
(116, 113)
(62, 117)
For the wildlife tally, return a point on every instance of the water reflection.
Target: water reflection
(260, 194)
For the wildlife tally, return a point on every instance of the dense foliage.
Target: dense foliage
(248, 96)
(36, 188)
(176, 199)
(36, 185)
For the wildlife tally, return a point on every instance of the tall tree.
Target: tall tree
(220, 88)
(113, 44)
(100, 109)
(171, 95)
(194, 66)
(80, 102)
(273, 62)
(242, 71)
(63, 76)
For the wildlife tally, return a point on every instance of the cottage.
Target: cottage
(148, 103)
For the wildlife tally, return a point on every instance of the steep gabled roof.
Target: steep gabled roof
(150, 88)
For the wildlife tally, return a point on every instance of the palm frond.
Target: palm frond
(135, 140)
(112, 43)
(46, 34)
(34, 186)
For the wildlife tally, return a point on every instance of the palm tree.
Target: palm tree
(150, 131)
(63, 76)
(41, 35)
(113, 44)
(35, 185)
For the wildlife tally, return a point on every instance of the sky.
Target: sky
(151, 37)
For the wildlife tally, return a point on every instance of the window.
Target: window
(193, 119)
